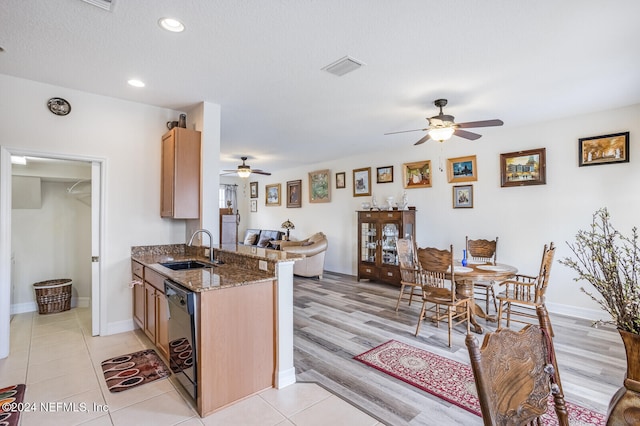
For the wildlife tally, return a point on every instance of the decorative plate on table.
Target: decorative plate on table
(492, 268)
(460, 269)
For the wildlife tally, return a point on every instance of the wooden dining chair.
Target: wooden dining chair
(485, 251)
(525, 293)
(409, 270)
(515, 372)
(439, 299)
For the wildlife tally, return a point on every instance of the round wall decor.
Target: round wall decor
(59, 106)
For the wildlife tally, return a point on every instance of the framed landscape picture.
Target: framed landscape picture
(362, 182)
(462, 169)
(253, 189)
(272, 194)
(320, 186)
(463, 196)
(341, 180)
(605, 149)
(384, 174)
(417, 175)
(294, 190)
(523, 168)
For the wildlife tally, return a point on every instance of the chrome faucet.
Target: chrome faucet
(204, 231)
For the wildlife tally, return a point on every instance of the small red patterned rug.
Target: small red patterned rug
(135, 369)
(450, 380)
(11, 404)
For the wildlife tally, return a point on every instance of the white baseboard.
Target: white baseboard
(120, 326)
(21, 308)
(285, 378)
(576, 311)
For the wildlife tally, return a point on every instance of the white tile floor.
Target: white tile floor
(59, 361)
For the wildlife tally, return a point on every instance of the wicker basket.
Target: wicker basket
(53, 295)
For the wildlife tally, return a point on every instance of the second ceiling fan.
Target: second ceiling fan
(244, 170)
(442, 126)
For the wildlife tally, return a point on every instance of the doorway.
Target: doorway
(90, 257)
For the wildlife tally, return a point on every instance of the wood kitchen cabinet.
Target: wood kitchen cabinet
(137, 272)
(156, 312)
(180, 178)
(378, 232)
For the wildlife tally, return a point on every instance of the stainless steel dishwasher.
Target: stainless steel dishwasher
(181, 327)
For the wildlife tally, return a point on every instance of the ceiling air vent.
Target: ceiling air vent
(102, 4)
(343, 66)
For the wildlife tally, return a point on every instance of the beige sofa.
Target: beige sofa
(313, 248)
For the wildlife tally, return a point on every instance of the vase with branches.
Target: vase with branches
(610, 262)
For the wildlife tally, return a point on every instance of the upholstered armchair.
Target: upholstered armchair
(313, 248)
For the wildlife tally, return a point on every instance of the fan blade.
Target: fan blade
(467, 135)
(483, 123)
(230, 171)
(407, 131)
(423, 140)
(260, 172)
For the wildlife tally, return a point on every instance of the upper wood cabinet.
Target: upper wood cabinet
(180, 182)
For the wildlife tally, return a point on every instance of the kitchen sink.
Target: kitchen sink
(187, 264)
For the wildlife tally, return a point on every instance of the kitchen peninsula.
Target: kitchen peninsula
(243, 318)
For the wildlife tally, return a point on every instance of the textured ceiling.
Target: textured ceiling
(520, 61)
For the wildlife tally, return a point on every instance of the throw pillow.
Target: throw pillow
(264, 241)
(250, 239)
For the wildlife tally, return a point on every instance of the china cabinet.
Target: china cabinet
(378, 232)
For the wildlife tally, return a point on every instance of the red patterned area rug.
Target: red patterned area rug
(450, 380)
(135, 369)
(11, 399)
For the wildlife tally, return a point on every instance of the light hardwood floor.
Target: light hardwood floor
(337, 318)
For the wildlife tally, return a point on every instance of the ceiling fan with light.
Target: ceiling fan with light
(244, 170)
(442, 126)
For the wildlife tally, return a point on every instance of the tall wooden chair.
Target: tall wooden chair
(439, 299)
(409, 270)
(514, 372)
(525, 293)
(484, 251)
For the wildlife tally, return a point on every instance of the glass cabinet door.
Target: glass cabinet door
(368, 240)
(390, 233)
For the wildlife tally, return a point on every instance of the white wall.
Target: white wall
(128, 136)
(51, 242)
(525, 218)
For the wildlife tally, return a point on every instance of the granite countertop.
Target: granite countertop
(204, 279)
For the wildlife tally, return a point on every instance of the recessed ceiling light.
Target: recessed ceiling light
(135, 83)
(171, 24)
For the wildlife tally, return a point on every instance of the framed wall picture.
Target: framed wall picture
(523, 168)
(254, 205)
(362, 182)
(417, 174)
(320, 186)
(341, 180)
(463, 196)
(605, 149)
(272, 194)
(253, 189)
(462, 169)
(384, 174)
(294, 194)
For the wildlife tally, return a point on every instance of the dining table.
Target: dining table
(466, 276)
